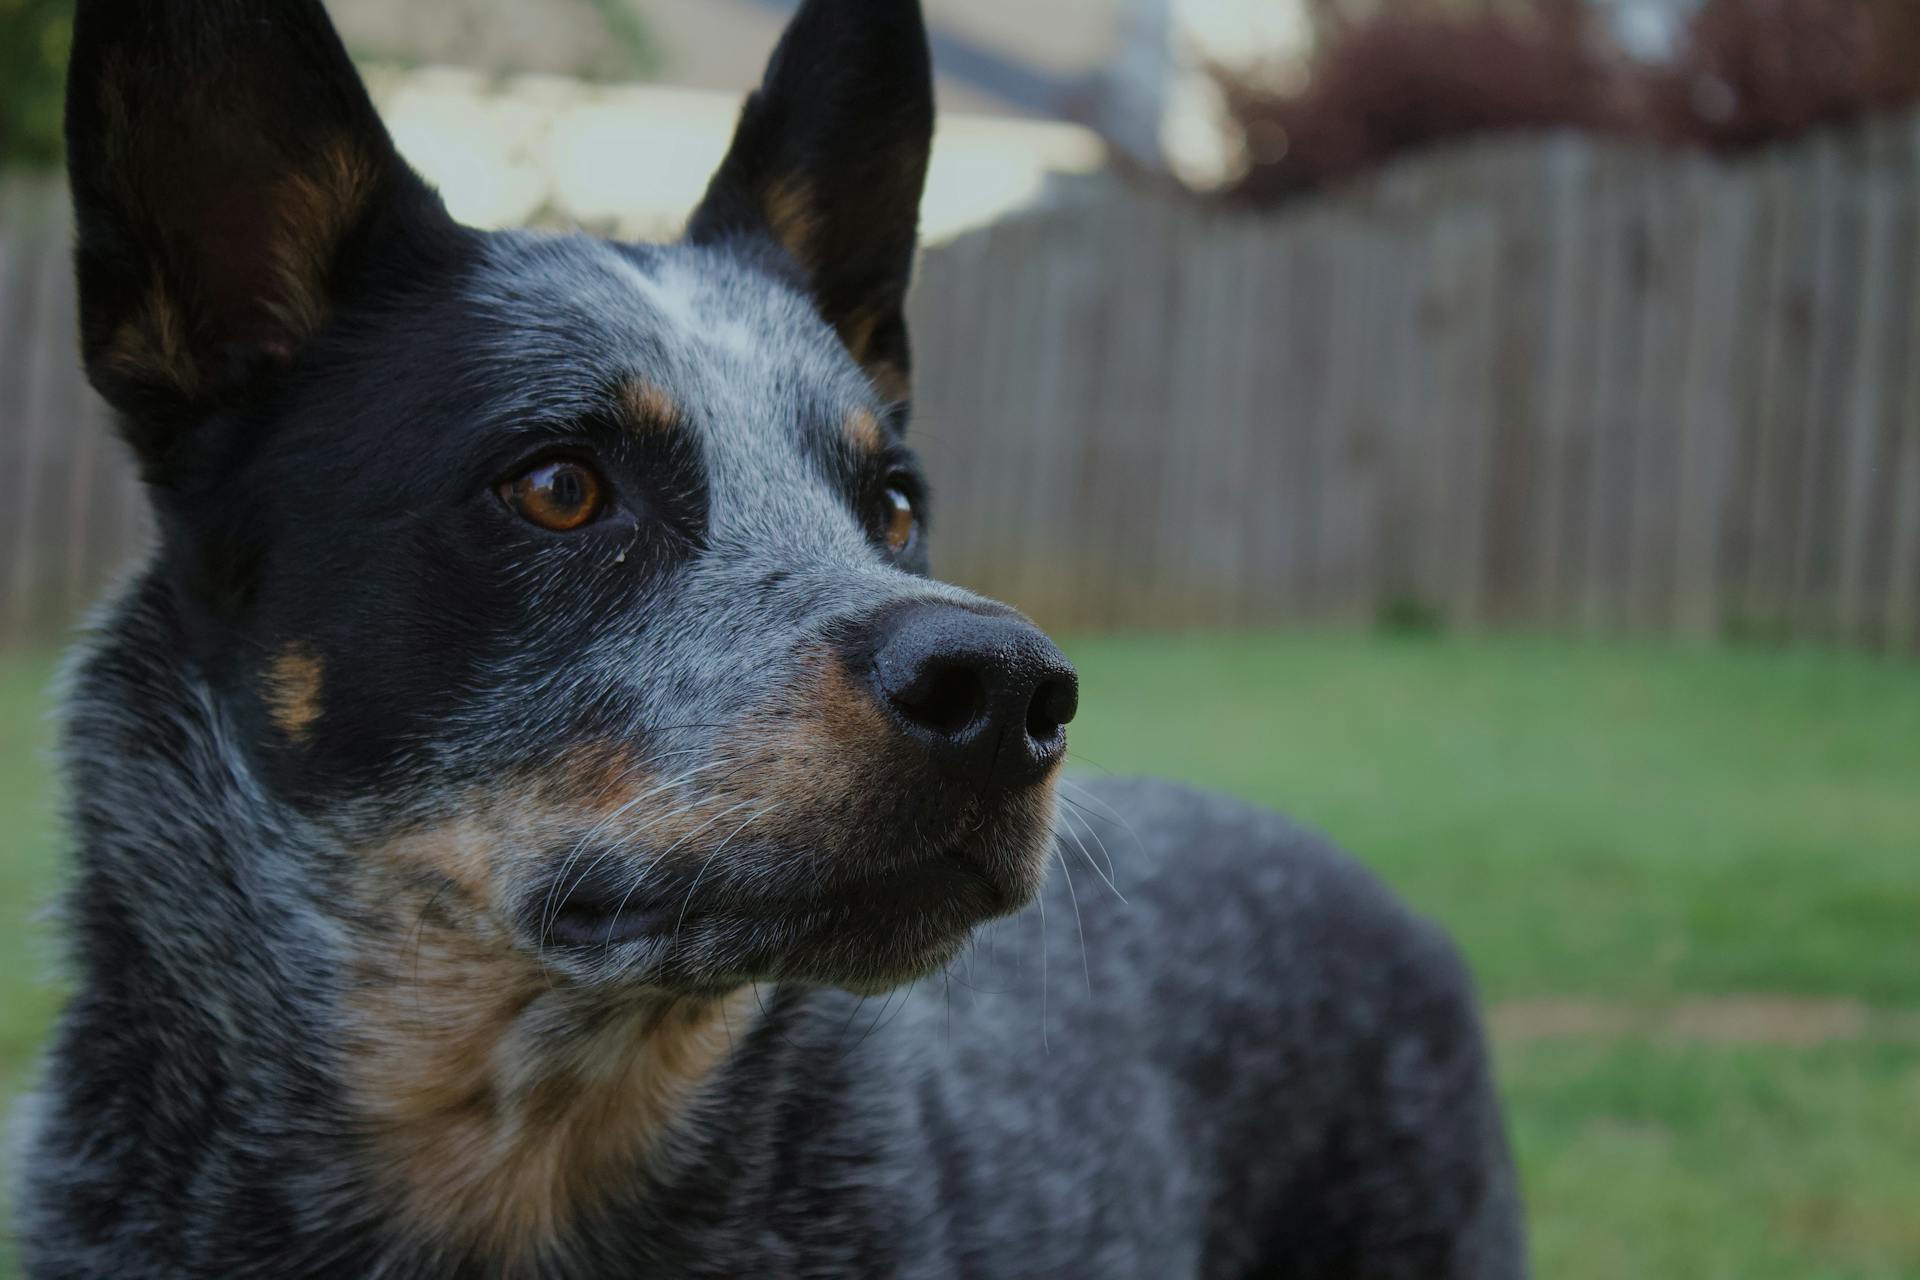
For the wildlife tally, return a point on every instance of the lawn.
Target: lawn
(1689, 882)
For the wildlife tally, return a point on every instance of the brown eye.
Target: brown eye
(556, 495)
(898, 523)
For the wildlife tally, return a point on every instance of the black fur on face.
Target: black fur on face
(647, 746)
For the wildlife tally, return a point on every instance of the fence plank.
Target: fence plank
(1705, 422)
(1619, 321)
(1901, 629)
(1838, 281)
(1783, 374)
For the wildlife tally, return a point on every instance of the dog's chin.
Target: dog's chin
(870, 935)
(767, 920)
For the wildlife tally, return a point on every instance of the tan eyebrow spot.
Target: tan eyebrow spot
(291, 690)
(863, 429)
(647, 406)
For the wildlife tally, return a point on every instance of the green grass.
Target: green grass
(1625, 824)
(1629, 822)
(28, 865)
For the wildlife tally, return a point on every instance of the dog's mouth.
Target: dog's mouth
(602, 910)
(769, 912)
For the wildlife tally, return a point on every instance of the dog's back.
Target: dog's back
(536, 815)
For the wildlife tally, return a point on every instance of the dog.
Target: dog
(536, 734)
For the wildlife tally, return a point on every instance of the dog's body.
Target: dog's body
(537, 720)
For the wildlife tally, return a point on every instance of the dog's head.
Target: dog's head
(584, 583)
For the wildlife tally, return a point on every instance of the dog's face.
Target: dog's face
(578, 585)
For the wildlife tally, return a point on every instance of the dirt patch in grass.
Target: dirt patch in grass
(1784, 1021)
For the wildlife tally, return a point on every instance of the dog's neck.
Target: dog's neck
(407, 1065)
(498, 1104)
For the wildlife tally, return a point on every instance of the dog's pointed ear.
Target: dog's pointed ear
(829, 160)
(224, 158)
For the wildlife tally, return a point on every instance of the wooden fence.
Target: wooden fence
(71, 512)
(1543, 382)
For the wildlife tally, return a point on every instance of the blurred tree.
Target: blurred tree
(1751, 72)
(1391, 76)
(33, 62)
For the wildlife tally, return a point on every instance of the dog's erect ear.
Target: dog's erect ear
(224, 158)
(829, 159)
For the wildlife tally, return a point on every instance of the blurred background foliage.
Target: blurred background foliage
(590, 39)
(1388, 77)
(33, 60)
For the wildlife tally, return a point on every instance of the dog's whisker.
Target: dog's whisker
(708, 862)
(1093, 803)
(1040, 900)
(1105, 876)
(1086, 966)
(873, 1026)
(552, 909)
(1085, 806)
(653, 821)
(640, 877)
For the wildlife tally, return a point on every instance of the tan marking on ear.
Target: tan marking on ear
(891, 381)
(856, 333)
(315, 210)
(499, 1101)
(647, 406)
(291, 691)
(150, 345)
(863, 430)
(791, 216)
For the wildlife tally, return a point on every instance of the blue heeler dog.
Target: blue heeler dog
(536, 733)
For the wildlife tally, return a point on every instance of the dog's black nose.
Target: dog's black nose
(989, 694)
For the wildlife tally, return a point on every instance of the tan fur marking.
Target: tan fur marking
(863, 429)
(312, 210)
(292, 691)
(500, 1115)
(151, 344)
(813, 767)
(647, 406)
(499, 1099)
(890, 380)
(792, 218)
(856, 333)
(315, 210)
(504, 1106)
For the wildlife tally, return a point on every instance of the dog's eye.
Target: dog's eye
(559, 495)
(898, 520)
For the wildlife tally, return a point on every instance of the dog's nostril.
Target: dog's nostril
(1053, 705)
(946, 697)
